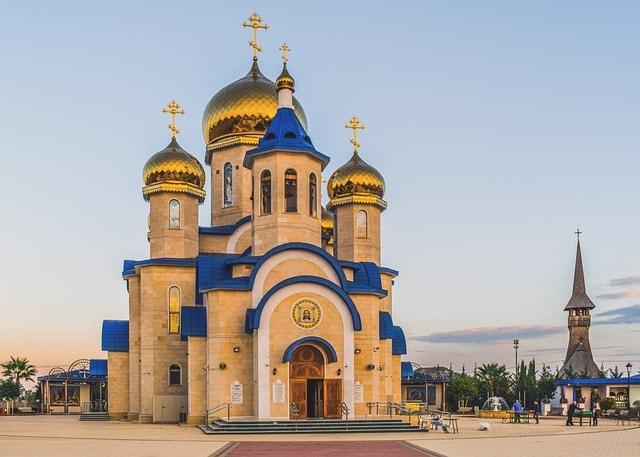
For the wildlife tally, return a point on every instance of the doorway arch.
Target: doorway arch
(313, 394)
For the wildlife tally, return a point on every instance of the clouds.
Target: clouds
(484, 335)
(631, 285)
(624, 315)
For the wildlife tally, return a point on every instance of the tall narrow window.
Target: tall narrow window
(265, 192)
(175, 374)
(174, 310)
(291, 191)
(361, 224)
(313, 195)
(174, 214)
(228, 184)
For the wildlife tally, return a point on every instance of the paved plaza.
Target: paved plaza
(57, 436)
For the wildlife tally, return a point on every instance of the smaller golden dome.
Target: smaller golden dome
(173, 169)
(356, 181)
(327, 224)
(285, 80)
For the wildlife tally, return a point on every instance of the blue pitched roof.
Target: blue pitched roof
(224, 229)
(385, 326)
(129, 266)
(115, 336)
(285, 133)
(398, 342)
(406, 370)
(366, 279)
(98, 367)
(193, 321)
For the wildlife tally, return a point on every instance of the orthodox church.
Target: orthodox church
(280, 308)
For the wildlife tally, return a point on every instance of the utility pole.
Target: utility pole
(516, 345)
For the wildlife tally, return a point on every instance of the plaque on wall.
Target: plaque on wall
(236, 393)
(306, 313)
(358, 392)
(278, 392)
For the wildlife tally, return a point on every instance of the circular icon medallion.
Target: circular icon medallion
(306, 313)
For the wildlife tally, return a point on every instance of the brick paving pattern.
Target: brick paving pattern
(323, 449)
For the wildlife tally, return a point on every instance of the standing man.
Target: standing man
(517, 409)
(570, 412)
(536, 411)
(594, 413)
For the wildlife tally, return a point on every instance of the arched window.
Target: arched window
(174, 309)
(313, 195)
(291, 191)
(175, 374)
(174, 214)
(361, 224)
(265, 192)
(228, 184)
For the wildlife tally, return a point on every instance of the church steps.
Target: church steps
(309, 426)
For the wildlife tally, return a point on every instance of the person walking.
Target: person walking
(536, 411)
(570, 412)
(517, 409)
(594, 413)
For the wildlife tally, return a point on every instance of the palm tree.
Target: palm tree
(18, 368)
(615, 373)
(493, 377)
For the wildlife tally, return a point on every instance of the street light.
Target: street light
(629, 385)
(516, 345)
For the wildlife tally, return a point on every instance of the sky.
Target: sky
(499, 127)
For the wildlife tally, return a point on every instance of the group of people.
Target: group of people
(517, 409)
(571, 411)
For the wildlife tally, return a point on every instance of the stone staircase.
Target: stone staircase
(223, 427)
(101, 416)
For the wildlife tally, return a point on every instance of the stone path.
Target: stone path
(323, 449)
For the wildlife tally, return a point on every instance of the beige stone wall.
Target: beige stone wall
(134, 346)
(158, 348)
(242, 204)
(226, 316)
(279, 227)
(213, 243)
(290, 268)
(175, 243)
(350, 247)
(197, 377)
(118, 372)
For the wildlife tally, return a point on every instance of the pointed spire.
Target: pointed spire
(579, 298)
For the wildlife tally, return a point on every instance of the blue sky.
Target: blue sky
(499, 127)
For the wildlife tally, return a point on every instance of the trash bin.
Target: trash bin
(183, 418)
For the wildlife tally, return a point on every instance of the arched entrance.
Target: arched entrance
(313, 394)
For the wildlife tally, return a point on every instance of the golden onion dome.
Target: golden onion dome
(244, 107)
(173, 169)
(356, 182)
(285, 80)
(327, 224)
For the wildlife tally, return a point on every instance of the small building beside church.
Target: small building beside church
(280, 306)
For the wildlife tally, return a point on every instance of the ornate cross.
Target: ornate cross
(255, 22)
(172, 109)
(284, 48)
(578, 233)
(355, 125)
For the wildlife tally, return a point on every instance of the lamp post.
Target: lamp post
(516, 345)
(629, 385)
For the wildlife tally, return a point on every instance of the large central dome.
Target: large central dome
(244, 107)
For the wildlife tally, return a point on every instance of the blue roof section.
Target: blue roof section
(285, 133)
(115, 336)
(224, 229)
(406, 370)
(635, 380)
(193, 321)
(129, 266)
(355, 316)
(386, 326)
(98, 367)
(366, 279)
(389, 271)
(398, 342)
(332, 356)
(211, 270)
(248, 320)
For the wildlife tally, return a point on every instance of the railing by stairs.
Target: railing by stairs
(215, 409)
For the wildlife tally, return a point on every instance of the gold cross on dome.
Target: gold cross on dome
(355, 125)
(172, 109)
(284, 48)
(255, 22)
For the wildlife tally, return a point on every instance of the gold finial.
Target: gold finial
(284, 48)
(172, 109)
(355, 125)
(255, 22)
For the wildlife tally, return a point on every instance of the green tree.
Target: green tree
(19, 368)
(9, 390)
(546, 384)
(462, 389)
(494, 378)
(615, 373)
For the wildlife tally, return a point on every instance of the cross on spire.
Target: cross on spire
(173, 109)
(355, 125)
(578, 233)
(284, 48)
(255, 22)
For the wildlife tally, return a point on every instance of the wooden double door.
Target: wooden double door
(313, 395)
